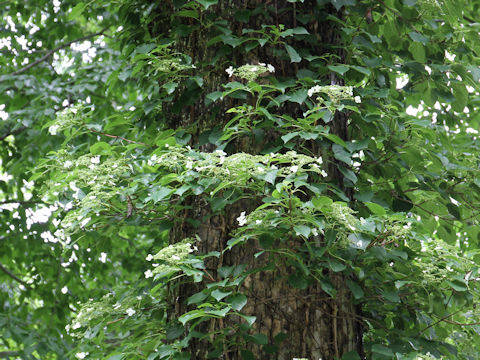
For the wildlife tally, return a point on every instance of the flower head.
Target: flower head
(230, 70)
(242, 219)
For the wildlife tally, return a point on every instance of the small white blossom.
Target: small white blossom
(81, 355)
(230, 71)
(294, 169)
(76, 325)
(258, 222)
(148, 274)
(193, 66)
(320, 160)
(323, 173)
(68, 164)
(95, 159)
(130, 311)
(222, 159)
(358, 99)
(242, 219)
(189, 165)
(53, 129)
(261, 170)
(270, 68)
(152, 160)
(314, 232)
(149, 257)
(314, 90)
(253, 68)
(274, 167)
(175, 257)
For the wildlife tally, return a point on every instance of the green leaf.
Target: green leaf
(341, 3)
(160, 192)
(336, 265)
(299, 30)
(418, 51)
(237, 301)
(382, 350)
(286, 138)
(249, 319)
(297, 280)
(358, 241)
(76, 11)
(335, 139)
(356, 290)
(415, 36)
(322, 202)
(219, 295)
(341, 154)
(259, 339)
(101, 148)
(271, 175)
(362, 70)
(376, 209)
(458, 285)
(294, 57)
(207, 3)
(339, 69)
(461, 97)
(170, 87)
(299, 96)
(197, 298)
(349, 174)
(302, 230)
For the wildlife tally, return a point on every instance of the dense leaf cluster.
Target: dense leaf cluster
(126, 125)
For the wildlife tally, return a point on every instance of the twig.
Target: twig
(118, 137)
(30, 202)
(51, 52)
(13, 276)
(438, 321)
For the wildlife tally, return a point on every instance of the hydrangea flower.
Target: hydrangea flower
(242, 219)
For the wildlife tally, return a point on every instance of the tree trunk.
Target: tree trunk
(298, 323)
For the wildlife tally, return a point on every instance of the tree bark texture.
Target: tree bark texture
(298, 323)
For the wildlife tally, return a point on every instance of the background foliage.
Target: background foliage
(98, 164)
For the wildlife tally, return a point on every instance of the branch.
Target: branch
(29, 202)
(13, 276)
(50, 52)
(118, 137)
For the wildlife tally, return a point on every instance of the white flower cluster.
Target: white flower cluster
(250, 72)
(334, 92)
(242, 219)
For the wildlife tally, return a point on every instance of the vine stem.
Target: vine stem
(118, 137)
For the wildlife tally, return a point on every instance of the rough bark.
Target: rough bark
(315, 324)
